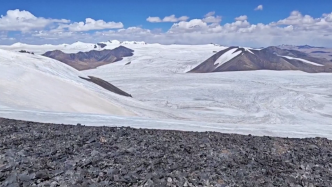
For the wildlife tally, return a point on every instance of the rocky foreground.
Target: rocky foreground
(36, 154)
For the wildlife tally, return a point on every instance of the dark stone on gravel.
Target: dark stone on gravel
(42, 175)
(36, 154)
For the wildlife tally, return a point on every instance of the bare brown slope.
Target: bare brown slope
(248, 61)
(91, 59)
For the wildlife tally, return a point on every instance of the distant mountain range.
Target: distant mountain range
(300, 47)
(91, 59)
(319, 52)
(270, 58)
(83, 56)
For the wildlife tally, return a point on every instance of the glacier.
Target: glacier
(275, 103)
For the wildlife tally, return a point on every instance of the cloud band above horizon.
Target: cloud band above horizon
(295, 29)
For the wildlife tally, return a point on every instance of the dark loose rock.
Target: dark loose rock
(36, 154)
(42, 175)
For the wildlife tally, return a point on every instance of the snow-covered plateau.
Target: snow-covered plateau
(276, 103)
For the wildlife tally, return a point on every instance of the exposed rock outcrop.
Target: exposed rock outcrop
(106, 85)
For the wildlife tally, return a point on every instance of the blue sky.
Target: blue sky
(134, 13)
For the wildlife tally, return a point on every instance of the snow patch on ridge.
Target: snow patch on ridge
(227, 56)
(248, 49)
(303, 60)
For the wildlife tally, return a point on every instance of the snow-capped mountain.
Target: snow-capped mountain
(270, 58)
(113, 42)
(74, 47)
(90, 59)
(134, 42)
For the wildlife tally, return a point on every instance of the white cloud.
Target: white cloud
(91, 24)
(296, 29)
(188, 26)
(7, 39)
(241, 18)
(211, 18)
(53, 35)
(153, 19)
(209, 24)
(236, 26)
(328, 17)
(259, 7)
(133, 30)
(4, 36)
(16, 20)
(306, 22)
(170, 18)
(210, 14)
(296, 18)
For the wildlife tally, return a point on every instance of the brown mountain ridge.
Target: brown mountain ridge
(90, 59)
(270, 58)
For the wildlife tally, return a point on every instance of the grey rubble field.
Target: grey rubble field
(36, 154)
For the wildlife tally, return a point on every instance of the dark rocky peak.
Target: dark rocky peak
(55, 52)
(24, 51)
(101, 45)
(124, 49)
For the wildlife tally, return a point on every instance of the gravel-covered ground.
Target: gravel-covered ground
(35, 154)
